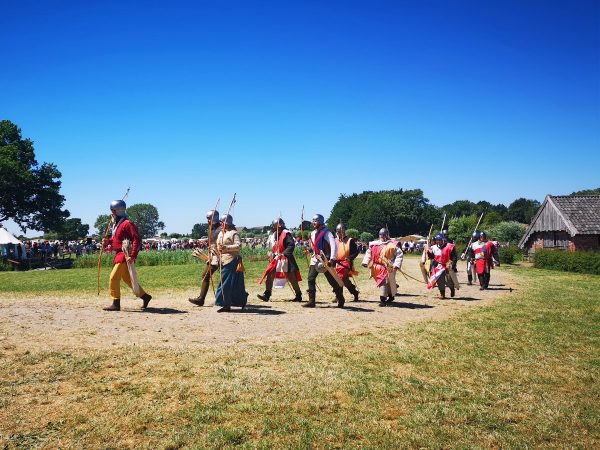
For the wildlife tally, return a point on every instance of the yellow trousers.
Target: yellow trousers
(119, 273)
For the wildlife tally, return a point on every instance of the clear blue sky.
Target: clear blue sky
(292, 103)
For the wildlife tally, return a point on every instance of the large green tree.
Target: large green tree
(101, 223)
(29, 192)
(199, 230)
(403, 211)
(522, 210)
(71, 229)
(145, 216)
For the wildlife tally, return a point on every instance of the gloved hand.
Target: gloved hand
(462, 256)
(332, 263)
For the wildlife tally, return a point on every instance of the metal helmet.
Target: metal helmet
(278, 223)
(118, 206)
(440, 237)
(210, 216)
(227, 220)
(319, 219)
(320, 267)
(340, 228)
(475, 235)
(384, 233)
(482, 235)
(445, 233)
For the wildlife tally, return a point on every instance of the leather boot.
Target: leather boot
(390, 298)
(146, 298)
(340, 301)
(198, 301)
(298, 297)
(116, 305)
(355, 294)
(452, 292)
(382, 299)
(265, 296)
(312, 300)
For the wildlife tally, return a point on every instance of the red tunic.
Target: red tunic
(125, 230)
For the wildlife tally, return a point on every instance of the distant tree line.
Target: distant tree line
(409, 211)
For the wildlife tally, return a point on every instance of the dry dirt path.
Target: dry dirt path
(62, 322)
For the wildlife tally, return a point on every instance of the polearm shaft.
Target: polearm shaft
(210, 227)
(471, 238)
(304, 248)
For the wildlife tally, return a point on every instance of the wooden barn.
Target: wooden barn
(565, 222)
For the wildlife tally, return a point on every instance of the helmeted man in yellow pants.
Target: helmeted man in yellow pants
(123, 229)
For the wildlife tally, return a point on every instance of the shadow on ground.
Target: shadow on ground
(156, 311)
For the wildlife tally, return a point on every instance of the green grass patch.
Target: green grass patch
(523, 372)
(152, 278)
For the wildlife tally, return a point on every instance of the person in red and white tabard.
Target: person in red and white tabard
(485, 253)
(282, 266)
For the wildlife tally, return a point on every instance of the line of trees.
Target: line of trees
(409, 211)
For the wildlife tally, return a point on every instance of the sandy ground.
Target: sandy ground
(60, 322)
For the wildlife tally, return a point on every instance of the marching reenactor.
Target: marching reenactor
(440, 254)
(231, 290)
(470, 257)
(123, 230)
(384, 257)
(452, 271)
(484, 252)
(323, 261)
(347, 251)
(212, 258)
(283, 266)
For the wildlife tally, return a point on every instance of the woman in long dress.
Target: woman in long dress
(231, 290)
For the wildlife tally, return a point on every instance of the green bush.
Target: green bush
(580, 262)
(507, 232)
(507, 254)
(353, 233)
(366, 237)
(5, 265)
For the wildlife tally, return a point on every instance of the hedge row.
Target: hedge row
(163, 258)
(580, 262)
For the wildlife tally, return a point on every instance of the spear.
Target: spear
(443, 223)
(304, 248)
(471, 238)
(210, 226)
(110, 220)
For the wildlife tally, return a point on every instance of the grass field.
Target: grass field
(523, 372)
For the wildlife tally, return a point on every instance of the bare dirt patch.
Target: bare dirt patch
(63, 322)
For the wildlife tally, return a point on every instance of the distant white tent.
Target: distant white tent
(7, 238)
(10, 246)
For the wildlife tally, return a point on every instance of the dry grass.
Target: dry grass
(521, 373)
